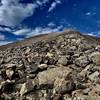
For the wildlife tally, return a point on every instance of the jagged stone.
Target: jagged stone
(93, 76)
(62, 86)
(82, 61)
(9, 73)
(96, 58)
(27, 87)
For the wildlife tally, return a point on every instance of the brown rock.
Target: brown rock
(27, 87)
(82, 61)
(95, 58)
(62, 86)
(49, 76)
(57, 97)
(94, 76)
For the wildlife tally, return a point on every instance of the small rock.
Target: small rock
(85, 71)
(10, 65)
(94, 76)
(32, 68)
(82, 61)
(27, 87)
(63, 60)
(95, 58)
(57, 97)
(66, 97)
(9, 73)
(49, 55)
(42, 66)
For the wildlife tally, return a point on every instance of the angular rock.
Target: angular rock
(57, 97)
(9, 73)
(62, 86)
(10, 65)
(27, 87)
(32, 68)
(95, 58)
(82, 61)
(63, 60)
(94, 76)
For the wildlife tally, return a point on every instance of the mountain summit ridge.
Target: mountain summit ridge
(48, 36)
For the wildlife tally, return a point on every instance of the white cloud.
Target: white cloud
(91, 13)
(54, 4)
(51, 24)
(96, 33)
(24, 31)
(5, 42)
(38, 30)
(5, 29)
(2, 37)
(88, 13)
(12, 13)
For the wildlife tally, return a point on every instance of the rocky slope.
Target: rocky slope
(64, 66)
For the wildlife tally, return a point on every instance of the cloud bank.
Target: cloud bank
(12, 12)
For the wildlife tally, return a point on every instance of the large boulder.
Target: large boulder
(49, 76)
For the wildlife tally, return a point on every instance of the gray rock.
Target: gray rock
(27, 87)
(42, 66)
(82, 61)
(10, 65)
(32, 68)
(63, 60)
(93, 76)
(62, 86)
(95, 58)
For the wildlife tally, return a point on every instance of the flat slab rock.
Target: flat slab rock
(85, 98)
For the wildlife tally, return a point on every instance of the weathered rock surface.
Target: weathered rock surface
(50, 75)
(62, 66)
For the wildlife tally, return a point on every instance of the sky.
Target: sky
(20, 19)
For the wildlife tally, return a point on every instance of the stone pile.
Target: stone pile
(66, 67)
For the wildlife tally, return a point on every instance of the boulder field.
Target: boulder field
(64, 66)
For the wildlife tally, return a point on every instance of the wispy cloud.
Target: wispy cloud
(53, 5)
(2, 37)
(5, 42)
(23, 31)
(38, 30)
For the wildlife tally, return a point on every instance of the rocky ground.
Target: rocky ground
(64, 67)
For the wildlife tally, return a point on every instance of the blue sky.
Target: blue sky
(20, 19)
